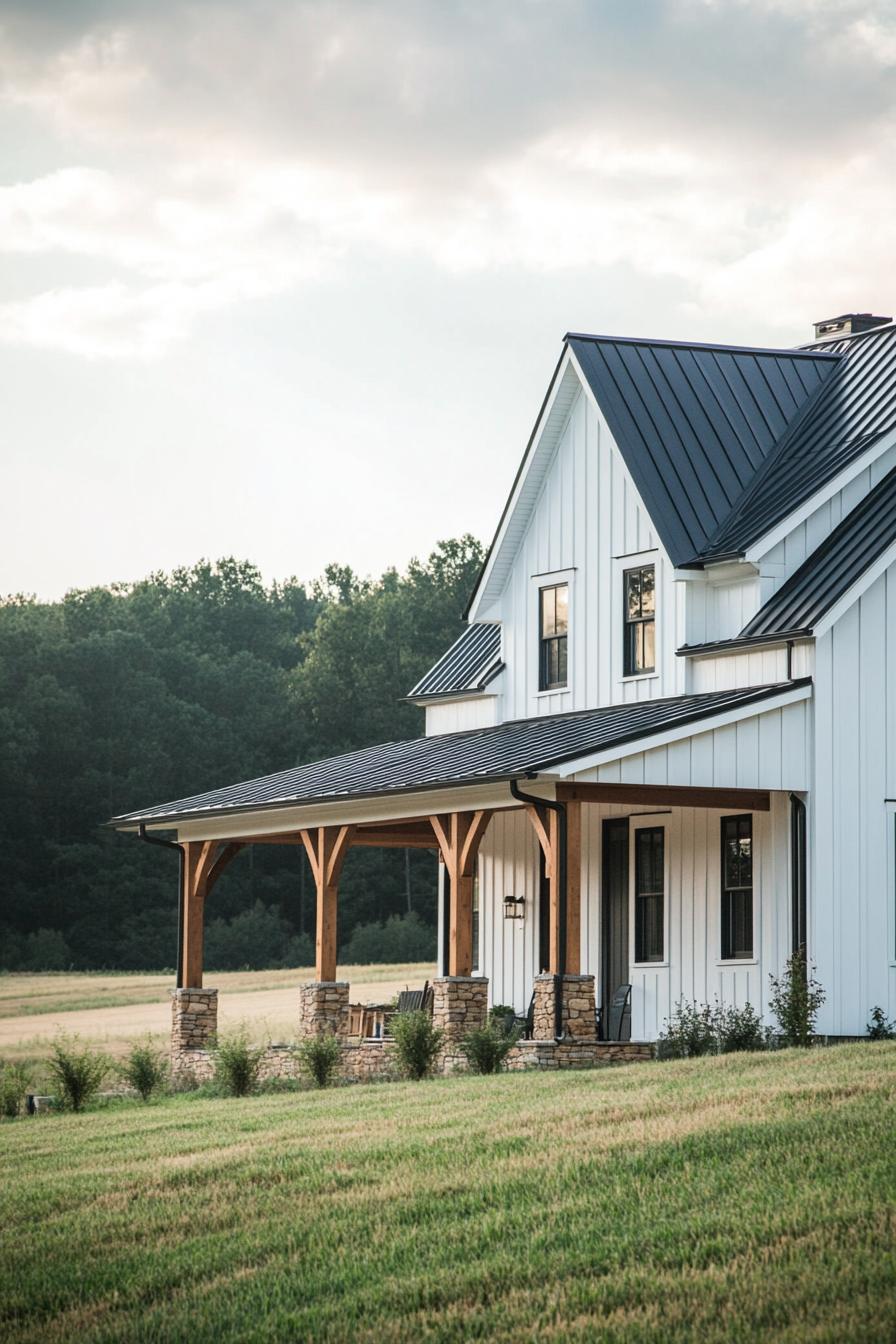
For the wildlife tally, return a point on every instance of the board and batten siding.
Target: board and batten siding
(508, 865)
(455, 716)
(588, 518)
(852, 937)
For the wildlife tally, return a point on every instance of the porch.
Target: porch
(515, 815)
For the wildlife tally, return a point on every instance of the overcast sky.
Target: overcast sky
(288, 280)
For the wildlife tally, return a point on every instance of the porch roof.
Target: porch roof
(517, 749)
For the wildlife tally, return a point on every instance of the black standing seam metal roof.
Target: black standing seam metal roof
(694, 423)
(473, 660)
(833, 567)
(850, 411)
(511, 750)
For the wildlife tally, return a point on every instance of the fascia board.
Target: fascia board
(683, 731)
(770, 540)
(852, 595)
(630, 482)
(482, 593)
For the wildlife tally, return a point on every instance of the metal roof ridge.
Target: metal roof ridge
(787, 350)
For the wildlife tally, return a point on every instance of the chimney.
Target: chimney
(848, 324)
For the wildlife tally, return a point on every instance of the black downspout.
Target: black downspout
(560, 809)
(170, 844)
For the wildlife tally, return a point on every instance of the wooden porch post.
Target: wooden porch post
(204, 861)
(546, 824)
(459, 835)
(326, 847)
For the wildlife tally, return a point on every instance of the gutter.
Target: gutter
(170, 844)
(766, 641)
(560, 809)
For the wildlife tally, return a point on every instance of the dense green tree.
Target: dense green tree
(120, 697)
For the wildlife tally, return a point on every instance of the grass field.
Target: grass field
(746, 1197)
(109, 1010)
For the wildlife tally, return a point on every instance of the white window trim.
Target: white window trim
(648, 824)
(621, 563)
(717, 917)
(550, 579)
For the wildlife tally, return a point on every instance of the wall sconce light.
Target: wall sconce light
(514, 907)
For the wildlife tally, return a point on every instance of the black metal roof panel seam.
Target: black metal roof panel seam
(835, 566)
(480, 755)
(469, 664)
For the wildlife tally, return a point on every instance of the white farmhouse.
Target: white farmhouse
(663, 752)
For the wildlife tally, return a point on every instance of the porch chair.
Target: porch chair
(620, 1006)
(526, 1025)
(415, 1000)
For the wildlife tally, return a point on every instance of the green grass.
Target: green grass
(739, 1198)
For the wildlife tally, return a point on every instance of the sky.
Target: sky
(288, 280)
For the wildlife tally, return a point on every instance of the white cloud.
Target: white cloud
(271, 142)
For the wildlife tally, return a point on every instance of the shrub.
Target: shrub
(795, 1000)
(690, 1031)
(237, 1064)
(145, 1069)
(319, 1058)
(486, 1048)
(879, 1029)
(417, 1043)
(14, 1083)
(76, 1072)
(504, 1017)
(737, 1028)
(400, 938)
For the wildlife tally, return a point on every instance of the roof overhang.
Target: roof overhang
(483, 791)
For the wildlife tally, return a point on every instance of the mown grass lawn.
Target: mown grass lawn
(740, 1198)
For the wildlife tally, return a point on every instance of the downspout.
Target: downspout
(560, 809)
(170, 844)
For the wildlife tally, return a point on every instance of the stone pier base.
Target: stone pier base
(578, 1015)
(194, 1022)
(323, 1007)
(459, 1004)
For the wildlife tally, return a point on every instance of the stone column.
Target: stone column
(323, 1006)
(577, 996)
(459, 1003)
(194, 1022)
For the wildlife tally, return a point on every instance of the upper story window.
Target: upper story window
(737, 887)
(553, 634)
(640, 620)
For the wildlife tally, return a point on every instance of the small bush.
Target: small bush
(689, 1032)
(795, 1000)
(76, 1072)
(486, 1048)
(15, 1081)
(145, 1069)
(504, 1017)
(237, 1064)
(737, 1028)
(879, 1029)
(319, 1058)
(417, 1043)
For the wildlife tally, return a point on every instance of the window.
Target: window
(476, 957)
(650, 869)
(553, 620)
(737, 888)
(640, 620)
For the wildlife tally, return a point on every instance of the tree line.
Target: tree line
(120, 697)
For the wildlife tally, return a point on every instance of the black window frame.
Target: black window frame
(650, 906)
(633, 626)
(736, 901)
(553, 649)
